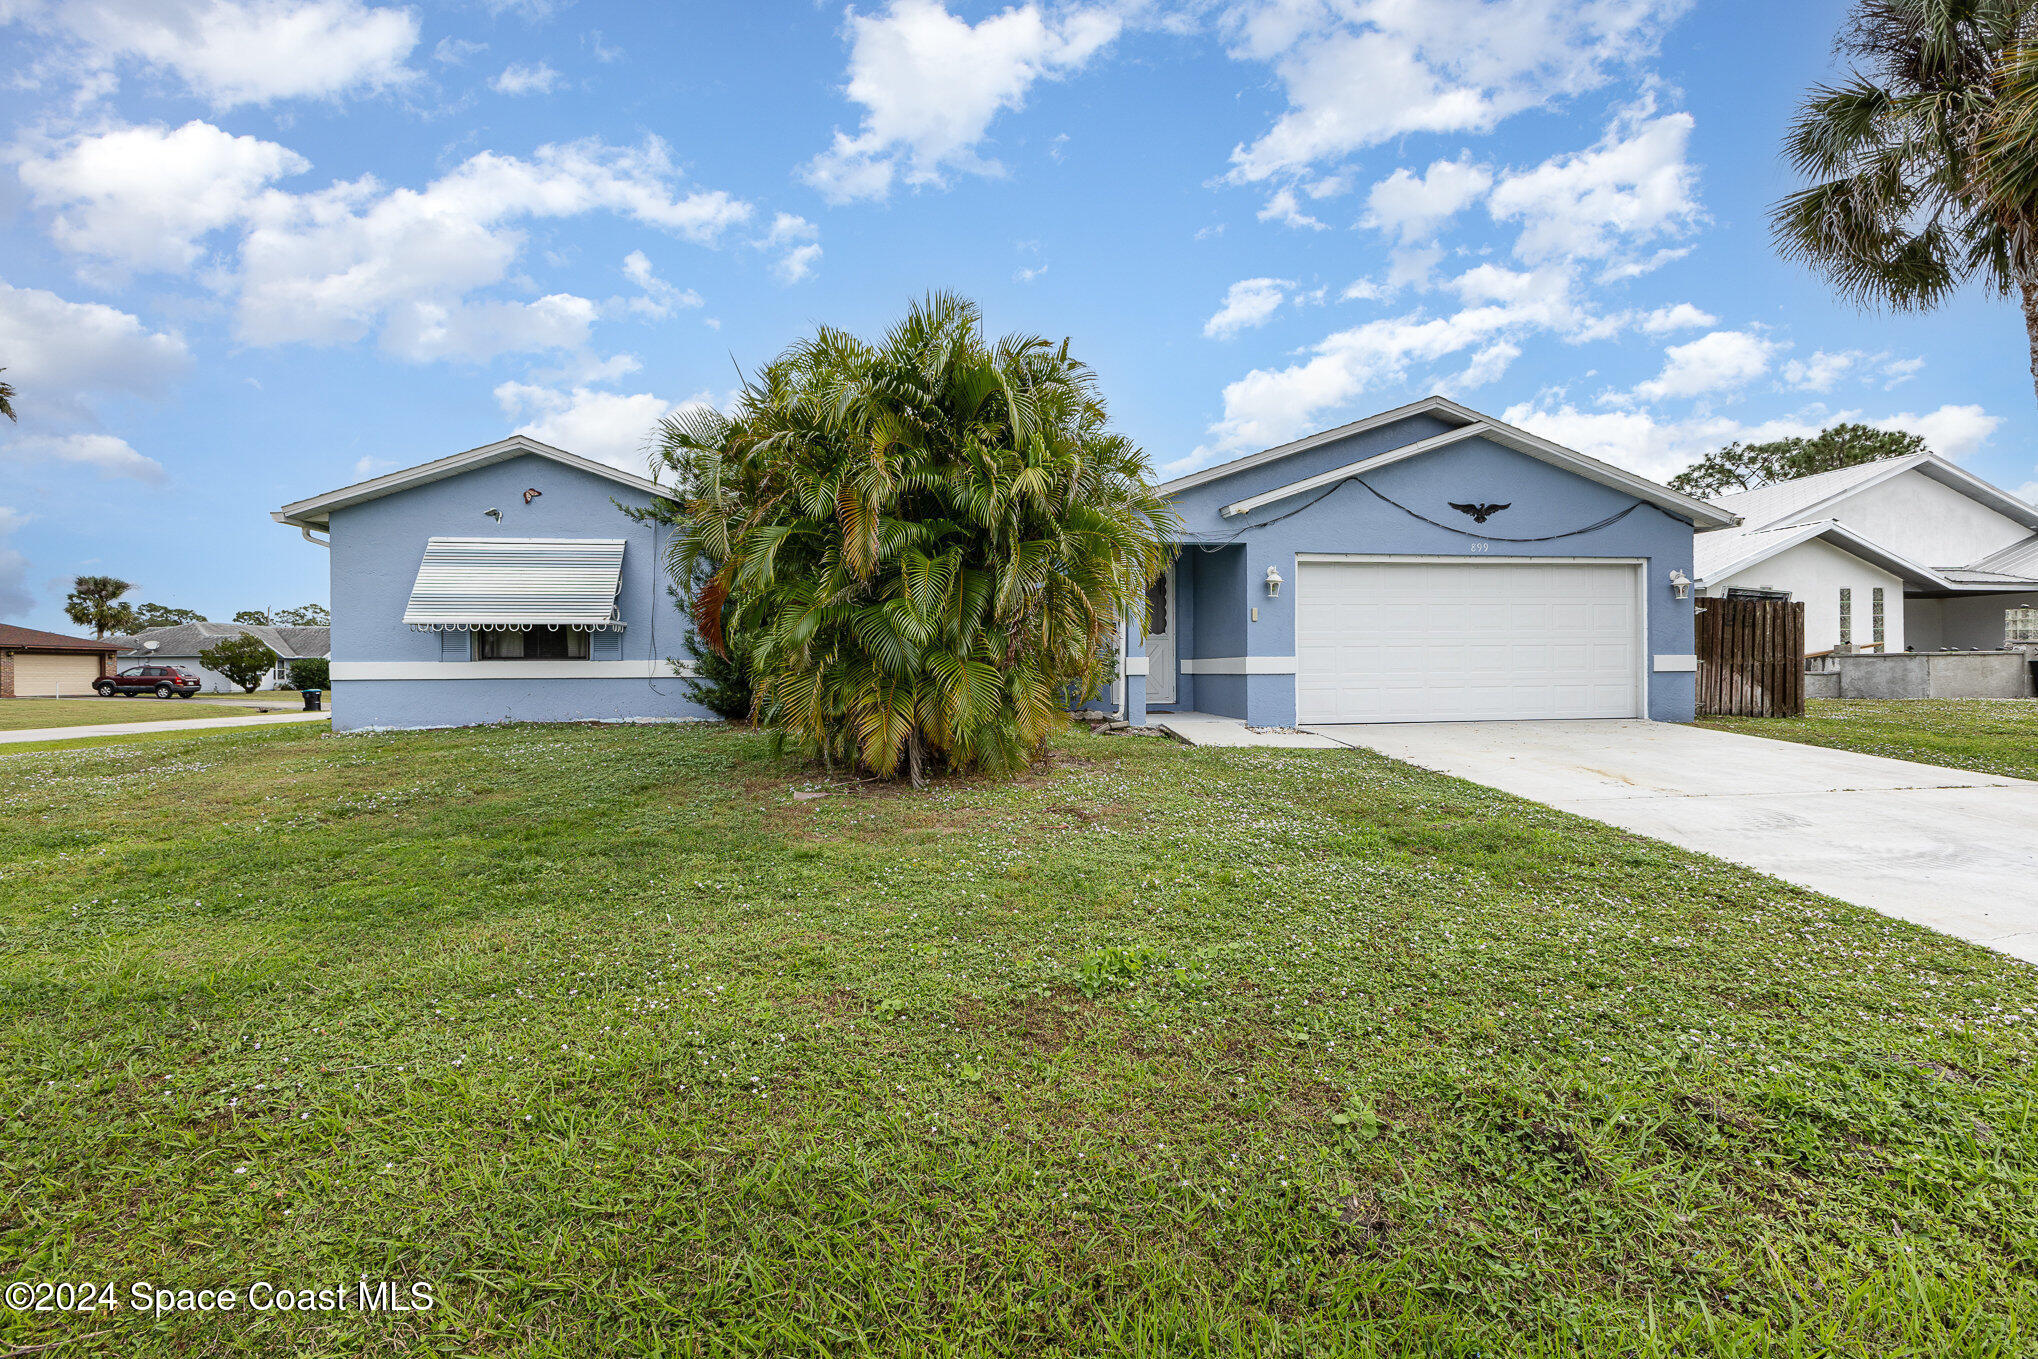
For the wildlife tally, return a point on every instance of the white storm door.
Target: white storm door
(1465, 640)
(1160, 638)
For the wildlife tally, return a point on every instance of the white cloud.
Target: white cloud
(144, 197)
(1500, 308)
(232, 52)
(368, 465)
(660, 298)
(1643, 442)
(1414, 206)
(1250, 302)
(606, 426)
(355, 258)
(66, 358)
(1284, 207)
(455, 51)
(1719, 362)
(931, 84)
(1824, 368)
(798, 239)
(1951, 431)
(797, 263)
(61, 356)
(1631, 187)
(526, 78)
(105, 454)
(1899, 371)
(1669, 320)
(1357, 75)
(427, 329)
(1488, 365)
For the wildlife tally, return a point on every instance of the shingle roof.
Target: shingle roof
(1785, 501)
(13, 638)
(188, 639)
(2019, 558)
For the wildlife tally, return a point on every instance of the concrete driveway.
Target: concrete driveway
(1942, 847)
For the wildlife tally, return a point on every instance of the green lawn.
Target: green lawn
(1984, 735)
(25, 714)
(627, 1048)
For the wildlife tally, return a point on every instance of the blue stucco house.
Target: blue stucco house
(1425, 564)
(500, 584)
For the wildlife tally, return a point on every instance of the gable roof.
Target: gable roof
(2020, 557)
(14, 638)
(1803, 499)
(290, 643)
(1716, 556)
(316, 511)
(1467, 423)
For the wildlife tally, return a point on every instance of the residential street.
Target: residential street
(40, 734)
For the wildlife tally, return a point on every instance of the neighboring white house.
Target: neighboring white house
(1909, 553)
(179, 645)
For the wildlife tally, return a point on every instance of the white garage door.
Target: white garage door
(1463, 640)
(51, 675)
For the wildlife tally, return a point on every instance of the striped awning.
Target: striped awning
(517, 582)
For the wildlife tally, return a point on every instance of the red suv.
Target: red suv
(160, 680)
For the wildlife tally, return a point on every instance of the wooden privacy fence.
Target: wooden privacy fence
(1750, 658)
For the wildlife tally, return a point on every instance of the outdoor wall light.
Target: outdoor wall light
(1273, 583)
(1681, 583)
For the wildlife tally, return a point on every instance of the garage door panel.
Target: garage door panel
(1451, 641)
(51, 675)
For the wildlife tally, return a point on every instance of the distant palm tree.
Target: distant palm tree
(94, 602)
(921, 542)
(6, 398)
(1911, 195)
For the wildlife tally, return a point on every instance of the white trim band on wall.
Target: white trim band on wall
(1676, 665)
(1135, 665)
(1240, 665)
(508, 670)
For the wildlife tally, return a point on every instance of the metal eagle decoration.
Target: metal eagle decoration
(1479, 513)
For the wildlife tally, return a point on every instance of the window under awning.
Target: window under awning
(517, 582)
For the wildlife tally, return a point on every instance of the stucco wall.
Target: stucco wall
(1815, 573)
(1542, 500)
(1921, 674)
(1928, 523)
(1965, 622)
(376, 550)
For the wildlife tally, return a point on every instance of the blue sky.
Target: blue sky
(258, 249)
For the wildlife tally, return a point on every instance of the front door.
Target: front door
(1160, 638)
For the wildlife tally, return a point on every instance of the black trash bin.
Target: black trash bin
(311, 700)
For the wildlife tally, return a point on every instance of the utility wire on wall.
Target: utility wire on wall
(1611, 519)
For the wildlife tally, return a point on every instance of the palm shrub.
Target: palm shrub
(925, 540)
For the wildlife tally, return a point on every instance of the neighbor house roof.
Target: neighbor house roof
(1715, 556)
(188, 639)
(13, 638)
(316, 512)
(2020, 556)
(1804, 499)
(1780, 516)
(1466, 423)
